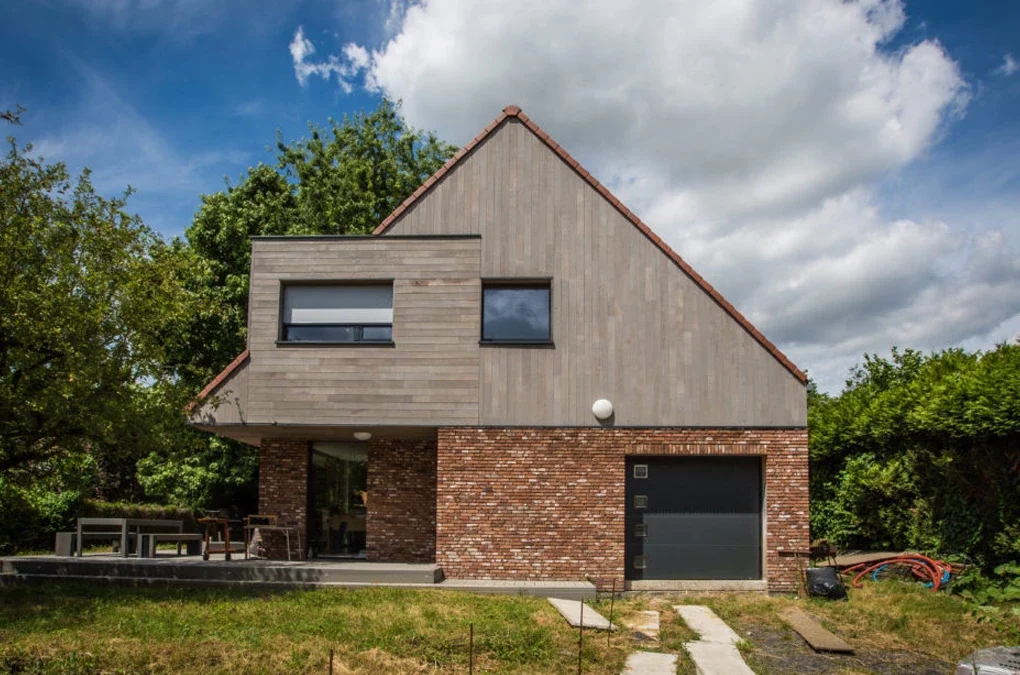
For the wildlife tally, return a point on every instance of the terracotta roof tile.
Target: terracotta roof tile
(515, 111)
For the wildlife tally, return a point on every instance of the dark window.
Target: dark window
(516, 312)
(338, 313)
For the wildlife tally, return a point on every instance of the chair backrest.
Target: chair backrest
(261, 519)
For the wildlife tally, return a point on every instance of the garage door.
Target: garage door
(694, 518)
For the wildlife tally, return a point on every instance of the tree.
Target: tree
(921, 451)
(85, 293)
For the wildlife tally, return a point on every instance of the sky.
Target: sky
(845, 173)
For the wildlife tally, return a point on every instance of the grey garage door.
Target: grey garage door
(694, 518)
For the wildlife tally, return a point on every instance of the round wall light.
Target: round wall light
(602, 409)
(362, 435)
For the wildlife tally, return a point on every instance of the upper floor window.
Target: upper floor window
(337, 313)
(516, 311)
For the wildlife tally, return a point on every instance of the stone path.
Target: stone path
(646, 626)
(571, 611)
(650, 663)
(715, 651)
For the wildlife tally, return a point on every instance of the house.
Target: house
(515, 378)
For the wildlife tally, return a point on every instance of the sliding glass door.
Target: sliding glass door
(338, 501)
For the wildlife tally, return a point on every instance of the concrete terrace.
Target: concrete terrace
(193, 570)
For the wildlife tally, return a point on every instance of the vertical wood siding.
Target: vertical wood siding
(628, 324)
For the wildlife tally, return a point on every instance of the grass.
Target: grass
(74, 628)
(78, 629)
(903, 619)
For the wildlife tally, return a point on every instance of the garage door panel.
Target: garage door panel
(694, 518)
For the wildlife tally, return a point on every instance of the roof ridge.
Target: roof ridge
(515, 111)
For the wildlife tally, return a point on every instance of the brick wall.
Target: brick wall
(540, 503)
(401, 524)
(283, 491)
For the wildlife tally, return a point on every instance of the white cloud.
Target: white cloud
(355, 59)
(751, 134)
(1009, 65)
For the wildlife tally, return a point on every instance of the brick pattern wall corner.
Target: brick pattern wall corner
(283, 491)
(401, 521)
(549, 504)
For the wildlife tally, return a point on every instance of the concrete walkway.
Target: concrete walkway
(571, 611)
(715, 651)
(650, 663)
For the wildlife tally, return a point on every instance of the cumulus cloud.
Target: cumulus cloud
(1009, 65)
(750, 134)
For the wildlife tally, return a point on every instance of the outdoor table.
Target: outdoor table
(125, 526)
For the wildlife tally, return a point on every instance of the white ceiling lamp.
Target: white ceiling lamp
(602, 409)
(362, 435)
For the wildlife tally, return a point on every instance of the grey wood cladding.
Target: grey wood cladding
(628, 324)
(429, 377)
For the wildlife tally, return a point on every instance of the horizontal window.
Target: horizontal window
(516, 312)
(337, 313)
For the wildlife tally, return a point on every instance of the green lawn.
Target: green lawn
(74, 628)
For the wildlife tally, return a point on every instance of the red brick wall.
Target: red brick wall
(401, 523)
(283, 491)
(517, 503)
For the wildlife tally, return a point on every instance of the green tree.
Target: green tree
(86, 291)
(91, 302)
(921, 451)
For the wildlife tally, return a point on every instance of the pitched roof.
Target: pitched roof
(515, 111)
(218, 380)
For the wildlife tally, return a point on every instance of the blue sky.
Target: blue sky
(845, 173)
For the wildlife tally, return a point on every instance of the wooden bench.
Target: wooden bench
(148, 541)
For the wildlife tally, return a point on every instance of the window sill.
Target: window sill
(330, 343)
(534, 344)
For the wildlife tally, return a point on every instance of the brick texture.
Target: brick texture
(401, 525)
(283, 491)
(519, 503)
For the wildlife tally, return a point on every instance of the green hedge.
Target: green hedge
(98, 509)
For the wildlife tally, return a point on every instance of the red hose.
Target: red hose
(921, 566)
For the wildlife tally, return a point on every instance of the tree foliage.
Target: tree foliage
(86, 294)
(921, 451)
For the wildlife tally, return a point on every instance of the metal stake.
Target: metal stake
(580, 638)
(330, 661)
(612, 601)
(471, 649)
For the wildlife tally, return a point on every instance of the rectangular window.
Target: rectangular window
(337, 313)
(516, 312)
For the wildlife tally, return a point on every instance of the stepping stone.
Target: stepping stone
(650, 663)
(645, 626)
(713, 658)
(571, 611)
(715, 652)
(707, 625)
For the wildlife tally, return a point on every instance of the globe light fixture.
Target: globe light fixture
(602, 409)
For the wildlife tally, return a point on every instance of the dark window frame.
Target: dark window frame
(282, 326)
(515, 283)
